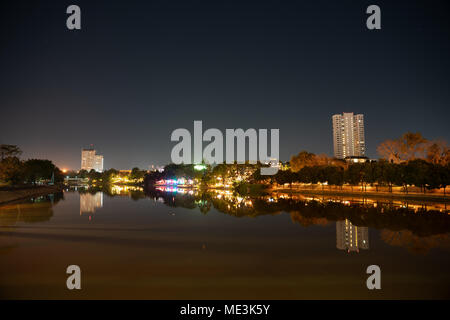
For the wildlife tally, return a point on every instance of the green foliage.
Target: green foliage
(11, 170)
(136, 173)
(108, 175)
(420, 173)
(82, 174)
(36, 170)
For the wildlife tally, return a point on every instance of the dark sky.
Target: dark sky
(137, 70)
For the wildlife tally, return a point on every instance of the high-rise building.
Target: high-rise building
(348, 135)
(98, 163)
(90, 160)
(350, 237)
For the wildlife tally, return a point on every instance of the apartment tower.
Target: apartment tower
(348, 135)
(90, 160)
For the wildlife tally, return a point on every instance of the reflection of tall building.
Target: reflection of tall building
(90, 202)
(350, 237)
(90, 160)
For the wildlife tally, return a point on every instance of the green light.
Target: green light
(199, 167)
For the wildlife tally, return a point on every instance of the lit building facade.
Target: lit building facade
(90, 160)
(350, 237)
(348, 135)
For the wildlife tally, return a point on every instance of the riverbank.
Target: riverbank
(367, 194)
(318, 191)
(18, 193)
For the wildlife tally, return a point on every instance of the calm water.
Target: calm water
(176, 244)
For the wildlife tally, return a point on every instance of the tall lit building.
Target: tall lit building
(90, 160)
(350, 237)
(348, 135)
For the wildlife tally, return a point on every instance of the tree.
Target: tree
(419, 173)
(369, 173)
(438, 152)
(409, 146)
(137, 174)
(439, 177)
(284, 176)
(11, 170)
(220, 170)
(303, 159)
(151, 178)
(58, 175)
(108, 174)
(413, 145)
(82, 173)
(354, 174)
(71, 174)
(335, 175)
(37, 169)
(390, 150)
(94, 175)
(385, 173)
(9, 150)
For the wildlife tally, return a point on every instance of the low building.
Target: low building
(356, 159)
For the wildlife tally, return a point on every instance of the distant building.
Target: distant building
(350, 237)
(90, 160)
(153, 168)
(356, 159)
(274, 163)
(348, 135)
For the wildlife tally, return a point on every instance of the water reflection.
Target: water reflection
(414, 243)
(89, 203)
(34, 210)
(350, 237)
(416, 226)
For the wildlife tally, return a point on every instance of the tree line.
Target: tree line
(109, 176)
(408, 160)
(411, 146)
(309, 168)
(418, 172)
(14, 171)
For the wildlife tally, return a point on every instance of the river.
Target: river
(182, 244)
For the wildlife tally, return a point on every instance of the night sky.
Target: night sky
(137, 70)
